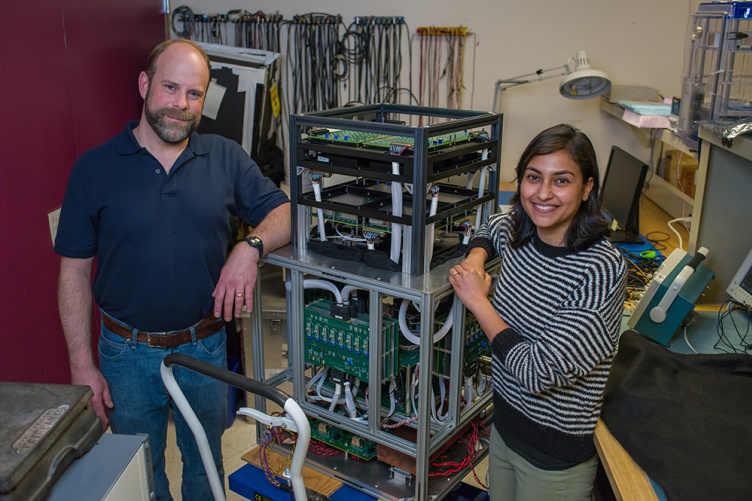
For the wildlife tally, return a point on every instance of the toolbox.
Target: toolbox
(44, 428)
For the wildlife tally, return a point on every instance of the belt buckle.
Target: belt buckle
(157, 335)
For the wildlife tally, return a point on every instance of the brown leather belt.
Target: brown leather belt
(205, 328)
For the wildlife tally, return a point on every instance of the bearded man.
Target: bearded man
(153, 206)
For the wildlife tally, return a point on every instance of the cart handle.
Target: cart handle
(229, 377)
(244, 383)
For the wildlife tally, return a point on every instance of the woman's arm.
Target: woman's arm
(472, 287)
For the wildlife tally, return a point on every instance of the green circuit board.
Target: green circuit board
(343, 440)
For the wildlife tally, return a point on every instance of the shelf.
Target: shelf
(675, 142)
(667, 196)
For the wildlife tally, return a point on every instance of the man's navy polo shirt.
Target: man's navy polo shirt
(160, 239)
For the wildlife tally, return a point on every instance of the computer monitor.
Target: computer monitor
(620, 194)
(740, 288)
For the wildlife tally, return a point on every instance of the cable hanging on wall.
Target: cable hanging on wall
(441, 68)
(326, 64)
(312, 40)
(371, 52)
(258, 31)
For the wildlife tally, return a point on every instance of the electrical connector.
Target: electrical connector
(340, 311)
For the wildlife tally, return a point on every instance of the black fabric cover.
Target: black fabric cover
(379, 259)
(459, 250)
(685, 419)
(372, 258)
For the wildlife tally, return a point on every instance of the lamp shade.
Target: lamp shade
(584, 82)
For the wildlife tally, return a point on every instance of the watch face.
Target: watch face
(256, 242)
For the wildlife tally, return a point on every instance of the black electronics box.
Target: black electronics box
(44, 428)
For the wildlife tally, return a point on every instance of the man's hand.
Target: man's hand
(92, 378)
(235, 286)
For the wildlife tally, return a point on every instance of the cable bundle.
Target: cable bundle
(640, 271)
(442, 60)
(312, 40)
(371, 59)
(724, 344)
(258, 31)
(275, 435)
(474, 438)
(323, 70)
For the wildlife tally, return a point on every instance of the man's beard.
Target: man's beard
(170, 132)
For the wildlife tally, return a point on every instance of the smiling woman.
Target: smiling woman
(553, 321)
(551, 192)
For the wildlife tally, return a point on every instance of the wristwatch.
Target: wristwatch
(256, 242)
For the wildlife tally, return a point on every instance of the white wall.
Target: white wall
(636, 42)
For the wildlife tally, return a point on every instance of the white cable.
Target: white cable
(320, 374)
(482, 383)
(405, 330)
(468, 234)
(347, 290)
(412, 395)
(350, 401)
(432, 226)
(335, 398)
(318, 391)
(687, 340)
(198, 431)
(468, 395)
(436, 416)
(481, 186)
(470, 175)
(315, 283)
(392, 399)
(685, 219)
(319, 211)
(396, 211)
(349, 237)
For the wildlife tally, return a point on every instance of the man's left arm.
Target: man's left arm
(235, 286)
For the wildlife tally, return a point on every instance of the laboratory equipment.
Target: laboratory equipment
(740, 288)
(717, 81)
(44, 428)
(671, 295)
(392, 371)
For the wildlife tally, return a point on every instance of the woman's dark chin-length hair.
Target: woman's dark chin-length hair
(589, 225)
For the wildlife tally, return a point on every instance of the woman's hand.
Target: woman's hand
(476, 259)
(470, 285)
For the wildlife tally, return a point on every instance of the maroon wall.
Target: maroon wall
(68, 74)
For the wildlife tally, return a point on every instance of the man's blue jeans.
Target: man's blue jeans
(142, 404)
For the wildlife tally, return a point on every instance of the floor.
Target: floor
(236, 441)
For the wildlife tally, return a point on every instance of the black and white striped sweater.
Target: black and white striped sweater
(550, 367)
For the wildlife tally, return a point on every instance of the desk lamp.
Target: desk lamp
(582, 83)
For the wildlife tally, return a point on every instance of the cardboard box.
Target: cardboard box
(681, 171)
